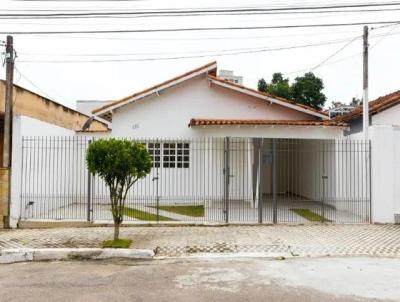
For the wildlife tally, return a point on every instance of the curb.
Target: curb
(8, 256)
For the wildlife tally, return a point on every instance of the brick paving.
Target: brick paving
(299, 240)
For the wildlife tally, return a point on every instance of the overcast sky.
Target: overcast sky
(68, 82)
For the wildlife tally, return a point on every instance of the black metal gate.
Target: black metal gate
(206, 180)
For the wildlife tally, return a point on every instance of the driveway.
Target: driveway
(218, 279)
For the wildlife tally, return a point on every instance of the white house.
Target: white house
(239, 154)
(198, 126)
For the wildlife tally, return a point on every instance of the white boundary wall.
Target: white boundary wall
(385, 171)
(23, 125)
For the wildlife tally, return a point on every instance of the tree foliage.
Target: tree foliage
(262, 85)
(355, 102)
(120, 163)
(305, 90)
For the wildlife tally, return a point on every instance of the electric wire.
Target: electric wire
(191, 29)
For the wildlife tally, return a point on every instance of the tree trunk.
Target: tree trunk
(116, 231)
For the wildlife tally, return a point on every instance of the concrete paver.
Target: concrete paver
(303, 240)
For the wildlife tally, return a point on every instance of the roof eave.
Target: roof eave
(271, 99)
(155, 89)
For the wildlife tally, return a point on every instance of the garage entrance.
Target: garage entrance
(297, 180)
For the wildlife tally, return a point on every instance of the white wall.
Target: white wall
(385, 163)
(33, 127)
(390, 116)
(26, 126)
(168, 114)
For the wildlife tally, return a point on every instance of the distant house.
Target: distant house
(230, 76)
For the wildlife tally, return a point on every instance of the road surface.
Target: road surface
(208, 279)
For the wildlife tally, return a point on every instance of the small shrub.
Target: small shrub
(117, 244)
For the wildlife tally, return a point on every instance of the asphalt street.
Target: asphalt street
(207, 279)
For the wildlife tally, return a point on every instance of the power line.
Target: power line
(190, 29)
(210, 10)
(324, 63)
(124, 13)
(33, 84)
(184, 52)
(384, 35)
(334, 54)
(211, 53)
(183, 57)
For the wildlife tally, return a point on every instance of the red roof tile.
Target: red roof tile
(376, 106)
(212, 122)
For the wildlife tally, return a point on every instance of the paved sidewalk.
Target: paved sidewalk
(304, 240)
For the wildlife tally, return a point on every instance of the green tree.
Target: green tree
(120, 163)
(262, 85)
(279, 86)
(307, 90)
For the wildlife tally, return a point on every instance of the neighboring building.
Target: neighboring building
(229, 76)
(87, 106)
(339, 110)
(384, 133)
(382, 111)
(35, 115)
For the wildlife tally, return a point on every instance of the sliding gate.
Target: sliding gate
(205, 180)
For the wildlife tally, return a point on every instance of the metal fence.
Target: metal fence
(221, 180)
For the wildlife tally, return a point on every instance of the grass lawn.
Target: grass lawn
(141, 215)
(194, 211)
(117, 244)
(309, 215)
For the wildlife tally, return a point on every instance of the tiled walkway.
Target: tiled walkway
(303, 240)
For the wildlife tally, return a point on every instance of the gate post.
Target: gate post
(260, 180)
(324, 178)
(226, 177)
(89, 193)
(274, 184)
(369, 181)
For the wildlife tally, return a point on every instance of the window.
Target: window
(169, 155)
(174, 155)
(155, 151)
(182, 159)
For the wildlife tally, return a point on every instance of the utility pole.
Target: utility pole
(365, 84)
(8, 118)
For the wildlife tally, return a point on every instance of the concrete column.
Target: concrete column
(16, 171)
(383, 173)
(3, 195)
